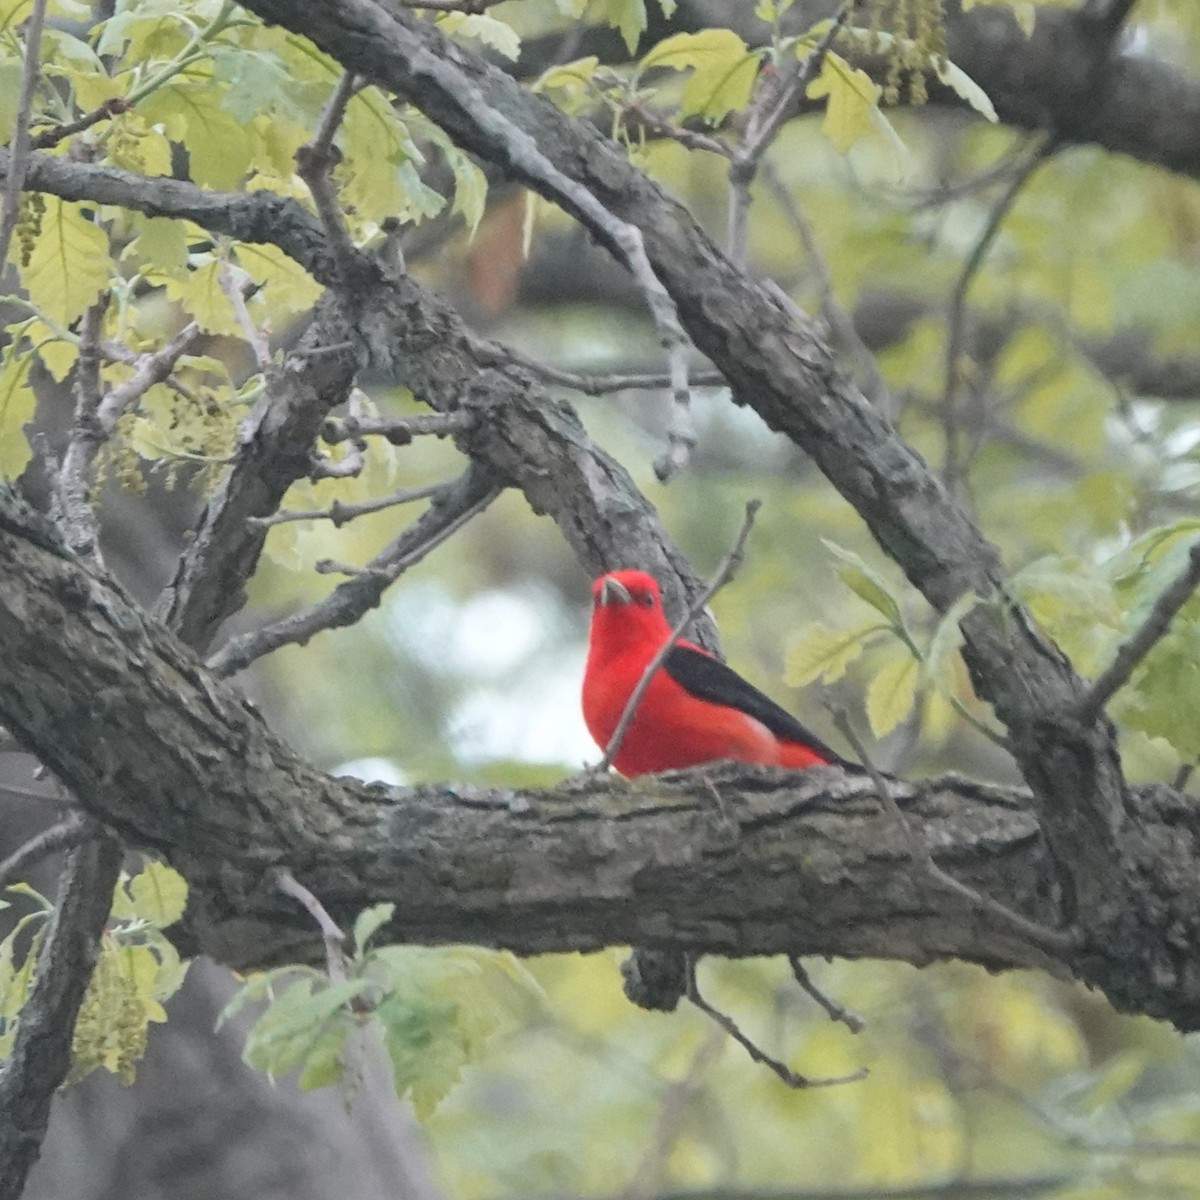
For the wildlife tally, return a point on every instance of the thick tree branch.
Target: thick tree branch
(178, 762)
(780, 366)
(396, 325)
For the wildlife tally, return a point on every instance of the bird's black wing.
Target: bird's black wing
(710, 679)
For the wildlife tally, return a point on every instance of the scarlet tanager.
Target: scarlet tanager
(696, 709)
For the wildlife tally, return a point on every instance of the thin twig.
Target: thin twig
(73, 499)
(149, 369)
(836, 1011)
(331, 934)
(762, 122)
(1053, 941)
(314, 164)
(638, 117)
(600, 385)
(233, 289)
(454, 505)
(64, 835)
(840, 322)
(667, 1125)
(57, 133)
(756, 1052)
(1143, 641)
(349, 466)
(622, 238)
(725, 572)
(957, 311)
(19, 143)
(400, 431)
(342, 514)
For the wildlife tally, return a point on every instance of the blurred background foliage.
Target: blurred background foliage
(1072, 435)
(471, 668)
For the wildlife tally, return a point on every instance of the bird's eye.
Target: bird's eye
(646, 599)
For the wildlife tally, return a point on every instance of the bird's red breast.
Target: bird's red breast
(696, 709)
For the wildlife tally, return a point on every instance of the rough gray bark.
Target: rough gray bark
(785, 863)
(778, 364)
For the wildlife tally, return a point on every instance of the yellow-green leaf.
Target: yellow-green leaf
(892, 692)
(853, 96)
(201, 294)
(289, 287)
(70, 265)
(17, 403)
(502, 38)
(219, 146)
(159, 894)
(817, 650)
(723, 70)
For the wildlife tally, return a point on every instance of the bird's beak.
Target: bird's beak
(612, 592)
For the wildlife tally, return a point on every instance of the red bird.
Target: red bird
(696, 709)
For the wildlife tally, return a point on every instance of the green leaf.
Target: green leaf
(947, 637)
(502, 38)
(817, 650)
(70, 264)
(866, 583)
(162, 244)
(965, 88)
(11, 73)
(892, 691)
(297, 1022)
(723, 70)
(219, 146)
(853, 98)
(369, 922)
(289, 287)
(17, 403)
(627, 16)
(158, 895)
(202, 296)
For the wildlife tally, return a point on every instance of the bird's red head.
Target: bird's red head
(627, 607)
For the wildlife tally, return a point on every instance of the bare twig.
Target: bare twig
(836, 1012)
(341, 514)
(759, 1055)
(233, 289)
(454, 505)
(840, 323)
(41, 1053)
(19, 144)
(637, 116)
(762, 122)
(675, 1104)
(1143, 641)
(57, 133)
(74, 483)
(314, 163)
(331, 934)
(622, 238)
(149, 369)
(64, 835)
(600, 385)
(956, 314)
(349, 466)
(400, 431)
(1053, 941)
(725, 572)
